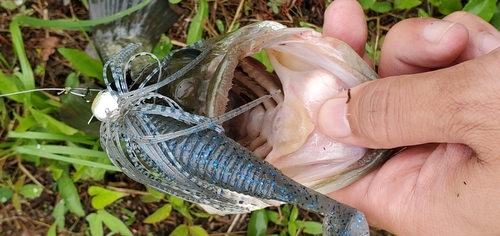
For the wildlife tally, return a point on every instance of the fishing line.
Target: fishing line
(67, 90)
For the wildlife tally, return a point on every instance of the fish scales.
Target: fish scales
(156, 143)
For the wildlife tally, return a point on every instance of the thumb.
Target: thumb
(442, 106)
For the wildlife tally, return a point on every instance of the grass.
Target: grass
(55, 179)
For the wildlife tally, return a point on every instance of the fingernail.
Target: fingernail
(332, 118)
(434, 31)
(490, 43)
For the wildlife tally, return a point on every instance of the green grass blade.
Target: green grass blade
(195, 31)
(67, 24)
(5, 62)
(83, 62)
(34, 150)
(88, 139)
(27, 78)
(77, 151)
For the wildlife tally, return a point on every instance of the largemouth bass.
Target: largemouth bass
(309, 69)
(200, 163)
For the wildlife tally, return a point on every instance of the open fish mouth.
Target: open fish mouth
(309, 69)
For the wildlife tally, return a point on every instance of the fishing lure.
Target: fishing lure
(156, 143)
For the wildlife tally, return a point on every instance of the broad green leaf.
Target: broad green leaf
(159, 215)
(69, 193)
(16, 202)
(482, 8)
(5, 194)
(52, 124)
(56, 173)
(381, 7)
(258, 223)
(79, 172)
(197, 230)
(311, 227)
(8, 4)
(164, 46)
(181, 230)
(59, 212)
(10, 86)
(285, 211)
(83, 62)
(150, 198)
(294, 214)
(196, 27)
(262, 57)
(184, 210)
(236, 26)
(113, 223)
(175, 200)
(102, 197)
(31, 191)
(406, 4)
(25, 123)
(275, 218)
(52, 230)
(366, 4)
(155, 193)
(449, 6)
(495, 20)
(435, 3)
(72, 80)
(174, 1)
(201, 214)
(19, 183)
(422, 13)
(95, 224)
(220, 26)
(292, 228)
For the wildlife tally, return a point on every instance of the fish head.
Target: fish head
(309, 69)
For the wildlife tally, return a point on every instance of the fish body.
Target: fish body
(203, 166)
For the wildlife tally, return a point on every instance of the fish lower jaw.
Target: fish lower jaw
(284, 130)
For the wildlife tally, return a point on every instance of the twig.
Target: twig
(128, 191)
(236, 15)
(235, 221)
(25, 171)
(178, 43)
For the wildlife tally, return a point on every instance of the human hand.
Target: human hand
(446, 182)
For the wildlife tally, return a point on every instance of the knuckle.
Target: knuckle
(376, 113)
